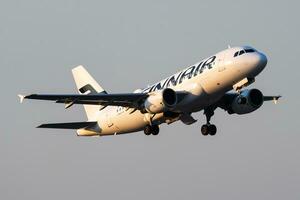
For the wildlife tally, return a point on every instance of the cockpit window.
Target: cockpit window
(241, 52)
(249, 50)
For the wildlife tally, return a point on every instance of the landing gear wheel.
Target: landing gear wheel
(155, 130)
(212, 129)
(148, 130)
(205, 130)
(209, 129)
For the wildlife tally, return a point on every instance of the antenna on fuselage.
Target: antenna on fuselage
(228, 46)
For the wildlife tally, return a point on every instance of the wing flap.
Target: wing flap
(187, 119)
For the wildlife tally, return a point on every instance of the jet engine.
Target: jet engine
(248, 101)
(160, 101)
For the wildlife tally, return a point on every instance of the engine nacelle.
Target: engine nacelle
(248, 101)
(160, 101)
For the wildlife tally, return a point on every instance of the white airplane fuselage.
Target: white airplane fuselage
(205, 83)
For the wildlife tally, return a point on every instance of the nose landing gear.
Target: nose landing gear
(208, 128)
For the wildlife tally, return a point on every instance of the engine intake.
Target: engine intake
(248, 101)
(169, 97)
(160, 101)
(256, 98)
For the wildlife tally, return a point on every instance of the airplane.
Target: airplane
(205, 86)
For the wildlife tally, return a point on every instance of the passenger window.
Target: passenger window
(242, 52)
(236, 54)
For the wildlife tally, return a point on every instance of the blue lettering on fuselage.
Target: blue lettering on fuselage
(187, 74)
(183, 75)
(173, 80)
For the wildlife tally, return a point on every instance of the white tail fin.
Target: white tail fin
(87, 85)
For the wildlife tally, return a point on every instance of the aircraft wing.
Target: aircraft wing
(271, 98)
(226, 100)
(132, 100)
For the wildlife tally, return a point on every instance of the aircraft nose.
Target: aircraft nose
(262, 60)
(258, 63)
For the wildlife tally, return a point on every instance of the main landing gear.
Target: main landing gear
(154, 130)
(208, 129)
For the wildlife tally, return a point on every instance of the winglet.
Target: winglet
(275, 99)
(22, 97)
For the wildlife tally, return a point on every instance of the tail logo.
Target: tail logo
(88, 88)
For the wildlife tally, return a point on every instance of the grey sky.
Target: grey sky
(127, 45)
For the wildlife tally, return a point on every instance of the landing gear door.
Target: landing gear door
(221, 62)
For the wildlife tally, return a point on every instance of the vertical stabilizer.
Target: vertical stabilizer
(87, 85)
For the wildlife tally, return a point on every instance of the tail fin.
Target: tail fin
(87, 85)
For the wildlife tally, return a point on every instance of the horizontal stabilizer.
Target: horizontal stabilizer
(70, 125)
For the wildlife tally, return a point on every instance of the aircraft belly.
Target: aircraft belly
(213, 82)
(127, 122)
(123, 123)
(201, 93)
(207, 89)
